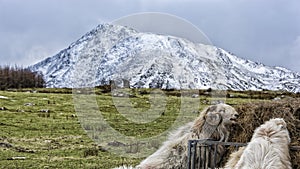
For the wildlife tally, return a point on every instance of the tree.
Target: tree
(19, 77)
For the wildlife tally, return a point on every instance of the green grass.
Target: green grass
(56, 139)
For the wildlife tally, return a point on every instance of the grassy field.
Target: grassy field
(41, 129)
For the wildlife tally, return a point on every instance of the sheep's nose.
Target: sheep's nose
(236, 115)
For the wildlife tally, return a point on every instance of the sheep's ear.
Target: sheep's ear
(213, 118)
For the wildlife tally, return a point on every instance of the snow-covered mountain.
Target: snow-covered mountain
(145, 60)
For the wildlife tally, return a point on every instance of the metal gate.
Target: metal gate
(203, 154)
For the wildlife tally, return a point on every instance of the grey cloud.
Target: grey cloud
(263, 31)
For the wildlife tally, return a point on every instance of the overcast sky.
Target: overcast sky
(266, 31)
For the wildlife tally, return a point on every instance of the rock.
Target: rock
(195, 95)
(16, 158)
(3, 108)
(19, 110)
(28, 104)
(24, 150)
(6, 145)
(45, 110)
(3, 97)
(102, 149)
(44, 113)
(73, 115)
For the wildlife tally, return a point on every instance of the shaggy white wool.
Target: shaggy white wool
(268, 148)
(234, 158)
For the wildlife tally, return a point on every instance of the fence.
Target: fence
(204, 154)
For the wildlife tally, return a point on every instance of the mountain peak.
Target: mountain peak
(147, 60)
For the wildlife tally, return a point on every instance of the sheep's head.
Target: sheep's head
(221, 113)
(215, 122)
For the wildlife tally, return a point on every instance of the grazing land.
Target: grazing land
(39, 128)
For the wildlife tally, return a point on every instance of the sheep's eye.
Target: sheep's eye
(282, 127)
